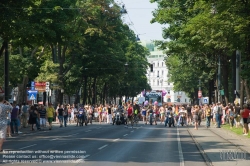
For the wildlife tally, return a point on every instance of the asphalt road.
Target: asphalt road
(104, 145)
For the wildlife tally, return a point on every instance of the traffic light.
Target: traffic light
(151, 67)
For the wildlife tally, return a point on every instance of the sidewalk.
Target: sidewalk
(222, 147)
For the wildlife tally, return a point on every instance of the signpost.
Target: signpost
(32, 95)
(47, 90)
(199, 94)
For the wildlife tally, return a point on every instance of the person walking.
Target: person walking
(5, 108)
(42, 115)
(109, 116)
(245, 113)
(25, 115)
(60, 115)
(195, 116)
(208, 113)
(14, 119)
(218, 114)
(65, 115)
(50, 115)
(33, 117)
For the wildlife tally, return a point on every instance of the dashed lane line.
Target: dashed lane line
(125, 135)
(103, 147)
(116, 139)
(27, 146)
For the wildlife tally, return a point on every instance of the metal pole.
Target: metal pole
(6, 72)
(199, 103)
(219, 76)
(238, 56)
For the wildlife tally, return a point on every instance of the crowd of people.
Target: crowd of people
(13, 116)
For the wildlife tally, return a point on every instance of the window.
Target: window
(162, 73)
(157, 82)
(158, 73)
(158, 64)
(168, 91)
(168, 83)
(162, 64)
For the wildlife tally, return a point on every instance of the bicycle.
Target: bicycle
(136, 119)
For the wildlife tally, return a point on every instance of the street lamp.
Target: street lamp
(15, 91)
(126, 67)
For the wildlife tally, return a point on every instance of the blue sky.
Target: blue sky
(138, 18)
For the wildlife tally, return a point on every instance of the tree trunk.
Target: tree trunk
(94, 91)
(241, 93)
(247, 90)
(104, 93)
(233, 60)
(85, 90)
(225, 77)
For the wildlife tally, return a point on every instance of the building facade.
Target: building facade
(158, 78)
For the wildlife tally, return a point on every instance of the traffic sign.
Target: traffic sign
(205, 100)
(199, 94)
(32, 84)
(32, 95)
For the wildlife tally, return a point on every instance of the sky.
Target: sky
(138, 18)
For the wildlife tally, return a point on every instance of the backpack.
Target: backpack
(219, 110)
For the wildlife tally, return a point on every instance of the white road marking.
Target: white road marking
(54, 139)
(132, 131)
(116, 139)
(86, 156)
(102, 147)
(125, 135)
(27, 146)
(72, 134)
(87, 131)
(180, 149)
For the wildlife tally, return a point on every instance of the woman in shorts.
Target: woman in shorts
(195, 116)
(143, 113)
(245, 114)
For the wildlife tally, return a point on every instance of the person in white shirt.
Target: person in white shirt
(182, 114)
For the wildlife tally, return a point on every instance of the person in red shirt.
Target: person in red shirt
(245, 114)
(130, 113)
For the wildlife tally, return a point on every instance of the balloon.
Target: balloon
(163, 92)
(146, 103)
(156, 103)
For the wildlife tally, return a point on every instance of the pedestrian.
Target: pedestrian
(14, 119)
(65, 115)
(5, 108)
(33, 117)
(60, 115)
(42, 114)
(195, 116)
(109, 115)
(218, 114)
(100, 113)
(231, 114)
(208, 113)
(50, 115)
(162, 113)
(245, 115)
(8, 124)
(25, 115)
(237, 116)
